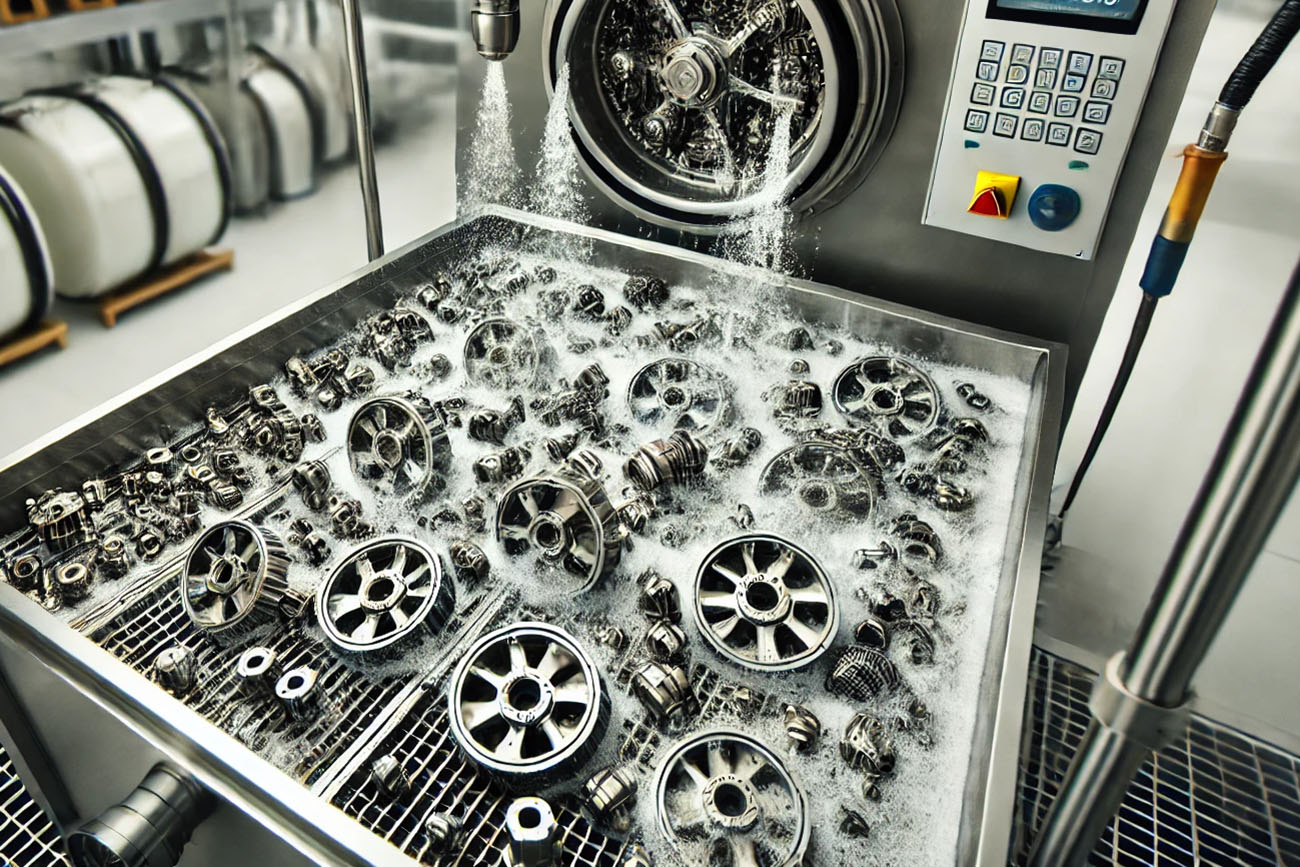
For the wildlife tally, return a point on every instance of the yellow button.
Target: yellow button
(994, 195)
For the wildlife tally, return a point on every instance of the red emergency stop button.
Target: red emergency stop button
(994, 195)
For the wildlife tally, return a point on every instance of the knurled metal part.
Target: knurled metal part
(234, 579)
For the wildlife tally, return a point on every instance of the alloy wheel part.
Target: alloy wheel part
(234, 578)
(503, 354)
(890, 392)
(399, 445)
(679, 394)
(824, 478)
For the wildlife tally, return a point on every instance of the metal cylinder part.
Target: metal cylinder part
(149, 828)
(607, 797)
(257, 672)
(73, 580)
(297, 690)
(532, 833)
(663, 690)
(176, 669)
(677, 459)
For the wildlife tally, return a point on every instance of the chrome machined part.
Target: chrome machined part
(399, 444)
(823, 477)
(665, 640)
(26, 573)
(149, 828)
(802, 727)
(676, 105)
(257, 672)
(765, 603)
(503, 354)
(890, 393)
(607, 798)
(112, 560)
(725, 798)
(73, 580)
(62, 520)
(566, 519)
(469, 561)
(680, 394)
(526, 702)
(678, 459)
(298, 691)
(384, 593)
(311, 479)
(442, 832)
(387, 774)
(635, 855)
(664, 690)
(867, 747)
(175, 669)
(659, 599)
(532, 833)
(234, 578)
(862, 673)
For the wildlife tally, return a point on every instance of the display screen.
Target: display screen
(1122, 16)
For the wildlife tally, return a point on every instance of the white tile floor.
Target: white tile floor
(1197, 355)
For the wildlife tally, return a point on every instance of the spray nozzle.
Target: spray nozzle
(495, 25)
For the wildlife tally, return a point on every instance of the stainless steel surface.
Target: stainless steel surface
(28, 838)
(362, 129)
(143, 616)
(1215, 796)
(1246, 488)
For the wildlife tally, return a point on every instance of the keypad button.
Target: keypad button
(976, 120)
(1072, 83)
(987, 71)
(1066, 106)
(1049, 58)
(1017, 73)
(1013, 97)
(1021, 53)
(1096, 112)
(992, 50)
(1046, 79)
(1110, 67)
(1104, 88)
(1032, 129)
(1087, 141)
(1080, 62)
(982, 94)
(1058, 134)
(1040, 102)
(1005, 125)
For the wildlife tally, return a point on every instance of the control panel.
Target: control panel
(1044, 99)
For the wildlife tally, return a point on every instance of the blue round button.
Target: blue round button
(1052, 207)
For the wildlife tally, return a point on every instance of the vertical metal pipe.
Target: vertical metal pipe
(1247, 486)
(361, 126)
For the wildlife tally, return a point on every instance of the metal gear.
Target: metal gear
(680, 394)
(234, 578)
(399, 444)
(503, 354)
(824, 478)
(890, 392)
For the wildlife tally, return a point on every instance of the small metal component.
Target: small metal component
(890, 608)
(257, 672)
(663, 690)
(920, 542)
(854, 824)
(922, 640)
(834, 347)
(73, 580)
(187, 511)
(311, 479)
(872, 632)
(384, 594)
(888, 392)
(112, 557)
(175, 669)
(492, 426)
(388, 776)
(589, 302)
(160, 460)
(469, 561)
(26, 573)
(866, 746)
(234, 578)
(442, 832)
(437, 368)
(559, 448)
(765, 603)
(737, 450)
(744, 517)
(608, 635)
(393, 336)
(533, 833)
(799, 399)
(799, 339)
(802, 727)
(399, 445)
(61, 519)
(799, 367)
(659, 599)
(861, 673)
(501, 466)
(304, 537)
(925, 600)
(635, 855)
(617, 321)
(544, 274)
(313, 429)
(645, 291)
(973, 396)
(607, 798)
(296, 690)
(526, 702)
(678, 459)
(224, 495)
(875, 558)
(345, 519)
(148, 544)
(665, 640)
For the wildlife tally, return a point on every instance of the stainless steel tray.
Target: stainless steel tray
(302, 817)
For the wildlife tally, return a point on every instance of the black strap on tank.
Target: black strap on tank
(29, 242)
(314, 111)
(144, 164)
(219, 152)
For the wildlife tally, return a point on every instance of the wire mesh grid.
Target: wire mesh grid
(27, 836)
(351, 698)
(1216, 797)
(441, 780)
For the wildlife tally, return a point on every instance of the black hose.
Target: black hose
(1141, 323)
(1274, 39)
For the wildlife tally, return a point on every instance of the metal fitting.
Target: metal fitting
(872, 632)
(659, 599)
(1218, 128)
(73, 580)
(866, 747)
(677, 459)
(257, 672)
(665, 641)
(802, 727)
(149, 828)
(645, 290)
(861, 673)
(441, 832)
(387, 774)
(297, 691)
(112, 559)
(176, 669)
(25, 575)
(311, 479)
(607, 798)
(532, 833)
(663, 690)
(469, 561)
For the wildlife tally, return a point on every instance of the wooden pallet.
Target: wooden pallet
(178, 276)
(22, 11)
(48, 333)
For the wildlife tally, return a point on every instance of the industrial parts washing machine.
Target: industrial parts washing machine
(234, 573)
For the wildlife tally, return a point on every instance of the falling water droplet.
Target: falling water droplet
(493, 175)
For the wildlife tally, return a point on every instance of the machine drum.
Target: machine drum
(724, 798)
(764, 603)
(128, 175)
(26, 275)
(385, 593)
(677, 114)
(527, 703)
(233, 580)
